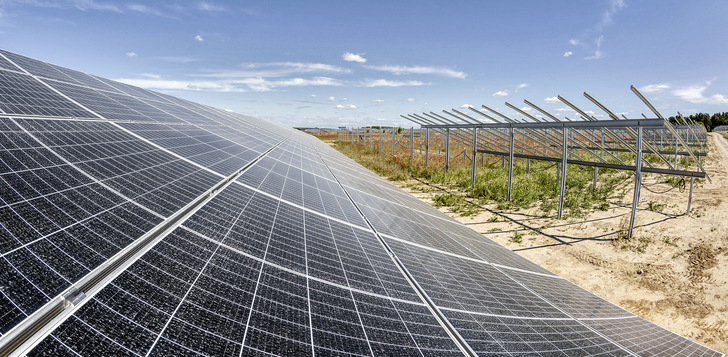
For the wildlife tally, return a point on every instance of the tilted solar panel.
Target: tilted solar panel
(135, 223)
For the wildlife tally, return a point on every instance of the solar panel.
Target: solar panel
(159, 226)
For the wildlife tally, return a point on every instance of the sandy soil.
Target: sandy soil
(673, 272)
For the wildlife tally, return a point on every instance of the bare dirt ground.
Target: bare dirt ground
(673, 271)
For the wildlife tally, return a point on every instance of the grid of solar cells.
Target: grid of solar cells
(23, 94)
(237, 284)
(281, 265)
(253, 136)
(277, 175)
(500, 335)
(207, 115)
(467, 285)
(201, 146)
(5, 64)
(86, 79)
(56, 224)
(648, 339)
(149, 112)
(570, 297)
(38, 68)
(130, 90)
(137, 169)
(179, 112)
(97, 102)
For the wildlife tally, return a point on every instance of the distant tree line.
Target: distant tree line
(709, 121)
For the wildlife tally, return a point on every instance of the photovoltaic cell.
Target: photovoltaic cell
(23, 94)
(276, 243)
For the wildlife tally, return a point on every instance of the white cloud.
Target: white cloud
(568, 53)
(654, 88)
(410, 99)
(234, 85)
(313, 95)
(526, 109)
(353, 57)
(151, 75)
(500, 93)
(275, 69)
(160, 84)
(131, 54)
(370, 83)
(564, 109)
(332, 99)
(404, 70)
(614, 7)
(553, 99)
(694, 94)
(175, 59)
(208, 6)
(82, 5)
(522, 85)
(346, 106)
(465, 106)
(199, 38)
(378, 101)
(597, 55)
(597, 30)
(343, 99)
(144, 9)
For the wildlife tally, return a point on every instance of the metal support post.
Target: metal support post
(427, 146)
(394, 140)
(380, 141)
(475, 140)
(690, 196)
(637, 181)
(510, 163)
(558, 172)
(412, 143)
(564, 157)
(447, 149)
(596, 168)
(528, 166)
(676, 142)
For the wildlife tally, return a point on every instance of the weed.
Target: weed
(671, 241)
(655, 207)
(496, 229)
(517, 237)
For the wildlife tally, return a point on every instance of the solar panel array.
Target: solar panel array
(150, 225)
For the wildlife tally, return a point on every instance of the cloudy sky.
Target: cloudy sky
(346, 63)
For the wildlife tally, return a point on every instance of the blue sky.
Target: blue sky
(355, 63)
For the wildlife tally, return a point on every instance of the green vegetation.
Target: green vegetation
(517, 237)
(709, 121)
(536, 188)
(655, 207)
